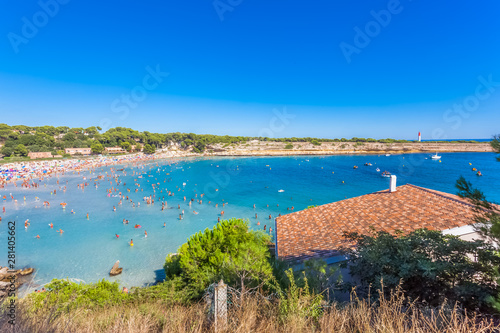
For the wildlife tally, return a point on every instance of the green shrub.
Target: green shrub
(289, 146)
(429, 265)
(299, 302)
(230, 251)
(64, 295)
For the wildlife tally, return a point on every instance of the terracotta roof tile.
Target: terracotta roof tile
(318, 231)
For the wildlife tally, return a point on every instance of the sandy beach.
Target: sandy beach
(28, 170)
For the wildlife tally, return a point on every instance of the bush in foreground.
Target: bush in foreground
(230, 251)
(430, 266)
(256, 314)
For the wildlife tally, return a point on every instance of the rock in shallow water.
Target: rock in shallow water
(116, 270)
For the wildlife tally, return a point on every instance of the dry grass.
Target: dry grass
(256, 315)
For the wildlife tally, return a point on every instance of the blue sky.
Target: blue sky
(278, 68)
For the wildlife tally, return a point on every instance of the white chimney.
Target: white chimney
(392, 188)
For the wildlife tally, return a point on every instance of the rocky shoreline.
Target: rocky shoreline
(263, 148)
(19, 277)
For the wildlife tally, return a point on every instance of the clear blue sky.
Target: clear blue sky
(233, 64)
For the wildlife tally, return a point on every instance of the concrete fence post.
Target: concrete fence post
(220, 306)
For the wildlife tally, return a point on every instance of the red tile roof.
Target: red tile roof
(318, 232)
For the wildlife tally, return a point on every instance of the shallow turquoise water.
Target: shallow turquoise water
(88, 248)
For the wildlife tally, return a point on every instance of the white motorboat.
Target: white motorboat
(436, 157)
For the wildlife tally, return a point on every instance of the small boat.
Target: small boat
(479, 173)
(368, 164)
(386, 174)
(435, 157)
(387, 154)
(281, 191)
(355, 167)
(378, 170)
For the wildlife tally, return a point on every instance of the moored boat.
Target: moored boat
(436, 156)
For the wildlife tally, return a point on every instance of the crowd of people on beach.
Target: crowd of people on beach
(26, 172)
(32, 175)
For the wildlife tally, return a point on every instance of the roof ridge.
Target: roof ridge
(442, 195)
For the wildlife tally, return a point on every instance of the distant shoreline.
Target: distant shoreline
(247, 149)
(263, 148)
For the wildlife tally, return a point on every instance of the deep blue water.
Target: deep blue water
(88, 248)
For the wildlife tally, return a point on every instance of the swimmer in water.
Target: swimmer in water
(51, 225)
(164, 224)
(145, 234)
(117, 236)
(131, 243)
(114, 209)
(61, 231)
(37, 236)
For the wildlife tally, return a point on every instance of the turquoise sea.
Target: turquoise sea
(87, 249)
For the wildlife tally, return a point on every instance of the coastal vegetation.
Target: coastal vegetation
(390, 314)
(19, 140)
(428, 265)
(230, 251)
(271, 298)
(418, 282)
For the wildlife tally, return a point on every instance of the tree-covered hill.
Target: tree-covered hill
(19, 140)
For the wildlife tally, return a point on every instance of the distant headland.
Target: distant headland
(21, 142)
